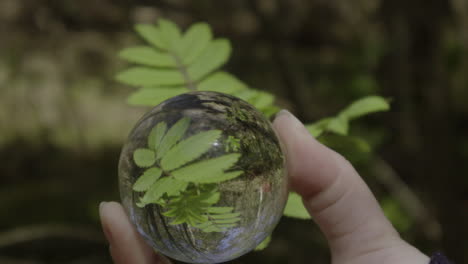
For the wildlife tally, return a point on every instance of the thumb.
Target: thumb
(334, 194)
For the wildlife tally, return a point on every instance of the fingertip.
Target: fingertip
(126, 244)
(311, 166)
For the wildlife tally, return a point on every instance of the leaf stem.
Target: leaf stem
(181, 67)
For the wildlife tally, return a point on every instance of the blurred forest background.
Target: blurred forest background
(63, 118)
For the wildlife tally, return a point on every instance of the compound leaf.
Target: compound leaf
(147, 56)
(222, 82)
(174, 134)
(364, 106)
(189, 149)
(154, 96)
(209, 171)
(194, 42)
(144, 157)
(295, 208)
(213, 57)
(151, 34)
(143, 76)
(149, 177)
(156, 135)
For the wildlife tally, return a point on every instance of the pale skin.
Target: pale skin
(337, 198)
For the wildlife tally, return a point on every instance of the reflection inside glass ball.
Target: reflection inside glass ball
(202, 177)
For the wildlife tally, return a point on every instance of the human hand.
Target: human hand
(333, 192)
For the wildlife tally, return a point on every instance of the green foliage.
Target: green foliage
(264, 244)
(181, 184)
(295, 208)
(149, 177)
(175, 133)
(396, 214)
(209, 171)
(339, 124)
(189, 149)
(144, 157)
(175, 63)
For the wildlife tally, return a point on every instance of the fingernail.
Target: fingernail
(294, 123)
(101, 205)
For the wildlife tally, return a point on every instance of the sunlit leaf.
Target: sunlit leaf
(144, 157)
(143, 76)
(295, 208)
(209, 171)
(174, 134)
(151, 34)
(189, 149)
(176, 187)
(365, 106)
(317, 128)
(147, 56)
(221, 82)
(154, 96)
(339, 125)
(263, 244)
(170, 33)
(194, 42)
(160, 187)
(149, 177)
(263, 99)
(214, 56)
(156, 135)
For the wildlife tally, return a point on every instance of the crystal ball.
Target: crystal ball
(202, 177)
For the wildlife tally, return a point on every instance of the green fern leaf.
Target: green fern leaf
(189, 149)
(156, 135)
(225, 216)
(144, 157)
(220, 177)
(263, 244)
(143, 76)
(220, 210)
(147, 56)
(208, 171)
(227, 221)
(194, 42)
(149, 177)
(151, 34)
(154, 96)
(175, 133)
(160, 187)
(365, 106)
(214, 56)
(170, 33)
(295, 208)
(221, 82)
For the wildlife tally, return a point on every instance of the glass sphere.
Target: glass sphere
(203, 178)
